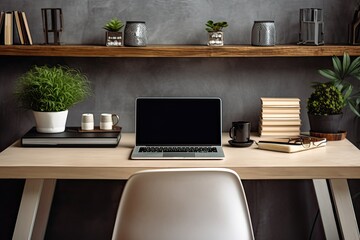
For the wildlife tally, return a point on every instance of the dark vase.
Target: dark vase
(325, 123)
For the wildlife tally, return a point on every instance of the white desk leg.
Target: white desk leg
(345, 209)
(44, 208)
(35, 205)
(326, 210)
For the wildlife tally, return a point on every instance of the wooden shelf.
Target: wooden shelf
(178, 51)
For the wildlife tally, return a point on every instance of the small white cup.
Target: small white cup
(87, 121)
(108, 121)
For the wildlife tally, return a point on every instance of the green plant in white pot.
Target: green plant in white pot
(50, 92)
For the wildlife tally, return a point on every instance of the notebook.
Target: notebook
(178, 128)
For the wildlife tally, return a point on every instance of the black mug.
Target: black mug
(240, 132)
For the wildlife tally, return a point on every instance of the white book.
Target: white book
(290, 145)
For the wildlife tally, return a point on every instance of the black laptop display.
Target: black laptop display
(178, 128)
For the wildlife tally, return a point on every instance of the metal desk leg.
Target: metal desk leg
(34, 209)
(326, 210)
(344, 209)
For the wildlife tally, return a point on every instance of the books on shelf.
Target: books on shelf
(290, 145)
(8, 28)
(11, 20)
(280, 117)
(18, 27)
(72, 137)
(27, 29)
(2, 20)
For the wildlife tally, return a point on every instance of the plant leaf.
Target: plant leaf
(337, 65)
(346, 64)
(346, 91)
(328, 74)
(353, 108)
(354, 66)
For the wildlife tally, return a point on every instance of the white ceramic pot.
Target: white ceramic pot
(50, 122)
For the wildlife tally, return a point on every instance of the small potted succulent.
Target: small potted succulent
(114, 37)
(216, 35)
(325, 107)
(49, 92)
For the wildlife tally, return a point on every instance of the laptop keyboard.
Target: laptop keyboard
(178, 149)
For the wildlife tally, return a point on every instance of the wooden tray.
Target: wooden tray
(97, 129)
(330, 136)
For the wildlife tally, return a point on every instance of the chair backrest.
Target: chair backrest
(183, 204)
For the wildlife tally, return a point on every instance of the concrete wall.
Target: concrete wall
(280, 209)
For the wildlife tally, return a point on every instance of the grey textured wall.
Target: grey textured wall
(280, 209)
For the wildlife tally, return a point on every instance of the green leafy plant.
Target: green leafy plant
(114, 25)
(325, 100)
(215, 27)
(342, 74)
(51, 89)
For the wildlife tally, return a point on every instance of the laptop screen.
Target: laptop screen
(178, 121)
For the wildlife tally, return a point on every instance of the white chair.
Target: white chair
(183, 204)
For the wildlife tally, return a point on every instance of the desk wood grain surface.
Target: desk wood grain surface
(339, 159)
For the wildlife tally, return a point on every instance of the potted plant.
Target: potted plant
(342, 75)
(216, 36)
(329, 99)
(49, 92)
(325, 108)
(113, 35)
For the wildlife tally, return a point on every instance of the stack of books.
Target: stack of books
(7, 22)
(280, 117)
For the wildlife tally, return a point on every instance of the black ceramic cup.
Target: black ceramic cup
(240, 132)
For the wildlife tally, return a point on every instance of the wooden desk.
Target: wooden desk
(337, 162)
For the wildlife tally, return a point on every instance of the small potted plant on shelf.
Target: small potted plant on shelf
(114, 37)
(215, 33)
(49, 92)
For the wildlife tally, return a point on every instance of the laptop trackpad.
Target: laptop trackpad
(179, 154)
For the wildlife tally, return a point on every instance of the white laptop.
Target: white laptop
(178, 128)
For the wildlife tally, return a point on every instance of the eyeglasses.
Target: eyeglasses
(307, 142)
